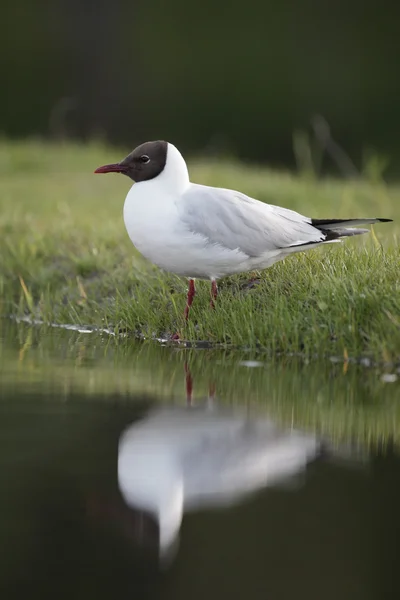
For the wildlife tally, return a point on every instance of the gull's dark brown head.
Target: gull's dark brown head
(145, 162)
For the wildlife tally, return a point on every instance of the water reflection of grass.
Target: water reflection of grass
(355, 404)
(66, 257)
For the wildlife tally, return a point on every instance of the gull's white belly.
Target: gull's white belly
(156, 230)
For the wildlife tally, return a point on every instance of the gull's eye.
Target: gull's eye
(144, 159)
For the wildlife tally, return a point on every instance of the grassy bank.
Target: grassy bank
(65, 257)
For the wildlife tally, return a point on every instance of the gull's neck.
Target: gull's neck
(175, 175)
(150, 478)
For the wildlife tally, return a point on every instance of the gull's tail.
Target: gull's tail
(338, 228)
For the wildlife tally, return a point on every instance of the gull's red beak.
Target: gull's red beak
(114, 168)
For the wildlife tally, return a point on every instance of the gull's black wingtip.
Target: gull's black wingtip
(385, 220)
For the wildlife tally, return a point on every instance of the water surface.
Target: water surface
(330, 529)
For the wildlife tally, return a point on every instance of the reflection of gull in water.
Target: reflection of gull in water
(180, 459)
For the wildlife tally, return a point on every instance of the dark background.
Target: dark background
(229, 77)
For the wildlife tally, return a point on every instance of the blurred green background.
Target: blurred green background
(213, 77)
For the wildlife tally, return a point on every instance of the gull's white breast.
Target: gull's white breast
(154, 225)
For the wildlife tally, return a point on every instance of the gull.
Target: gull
(203, 232)
(177, 460)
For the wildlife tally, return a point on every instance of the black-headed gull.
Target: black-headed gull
(198, 231)
(181, 459)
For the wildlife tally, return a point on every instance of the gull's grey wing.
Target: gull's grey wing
(237, 221)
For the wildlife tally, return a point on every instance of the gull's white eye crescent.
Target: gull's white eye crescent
(144, 159)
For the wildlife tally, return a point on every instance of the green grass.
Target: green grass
(66, 258)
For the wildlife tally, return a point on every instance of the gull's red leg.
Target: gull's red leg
(191, 294)
(214, 293)
(211, 391)
(189, 385)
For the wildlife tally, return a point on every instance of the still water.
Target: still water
(135, 470)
